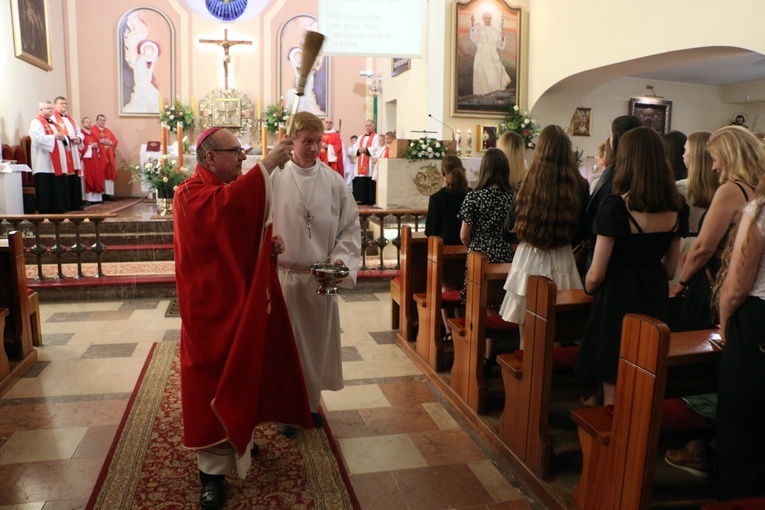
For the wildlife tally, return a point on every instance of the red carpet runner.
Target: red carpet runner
(147, 468)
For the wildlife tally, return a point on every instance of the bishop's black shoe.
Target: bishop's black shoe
(288, 431)
(255, 450)
(213, 495)
(318, 421)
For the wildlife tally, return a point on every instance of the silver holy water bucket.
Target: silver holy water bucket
(329, 277)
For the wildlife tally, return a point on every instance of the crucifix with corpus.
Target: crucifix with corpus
(225, 44)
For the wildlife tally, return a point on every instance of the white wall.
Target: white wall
(24, 85)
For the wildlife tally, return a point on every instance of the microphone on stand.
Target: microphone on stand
(432, 117)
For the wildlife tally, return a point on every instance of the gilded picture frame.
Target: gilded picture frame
(652, 112)
(31, 32)
(485, 138)
(486, 57)
(145, 63)
(399, 65)
(581, 122)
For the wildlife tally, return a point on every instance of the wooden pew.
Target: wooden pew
(17, 336)
(484, 289)
(5, 365)
(619, 450)
(551, 316)
(444, 263)
(414, 253)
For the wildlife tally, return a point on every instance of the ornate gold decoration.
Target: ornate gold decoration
(428, 180)
(231, 109)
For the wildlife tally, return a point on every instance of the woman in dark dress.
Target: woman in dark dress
(483, 216)
(445, 204)
(638, 232)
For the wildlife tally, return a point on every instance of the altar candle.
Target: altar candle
(260, 109)
(180, 144)
(264, 140)
(281, 132)
(193, 107)
(161, 104)
(163, 138)
(459, 142)
(469, 141)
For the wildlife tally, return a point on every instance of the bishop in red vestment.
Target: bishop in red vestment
(239, 363)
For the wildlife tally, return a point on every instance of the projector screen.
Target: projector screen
(372, 28)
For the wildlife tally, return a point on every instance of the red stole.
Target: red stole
(333, 138)
(384, 152)
(363, 161)
(55, 157)
(239, 363)
(63, 129)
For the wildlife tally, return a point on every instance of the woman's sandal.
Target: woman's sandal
(591, 401)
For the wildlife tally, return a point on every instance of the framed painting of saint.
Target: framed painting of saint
(146, 63)
(487, 57)
(316, 94)
(654, 113)
(31, 32)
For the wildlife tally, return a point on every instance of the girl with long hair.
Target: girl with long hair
(638, 231)
(548, 213)
(739, 160)
(512, 145)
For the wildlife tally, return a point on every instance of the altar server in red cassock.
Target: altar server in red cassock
(107, 148)
(239, 363)
(92, 167)
(332, 148)
(50, 162)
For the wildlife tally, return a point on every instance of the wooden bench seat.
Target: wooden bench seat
(413, 261)
(484, 290)
(551, 316)
(17, 333)
(620, 444)
(444, 263)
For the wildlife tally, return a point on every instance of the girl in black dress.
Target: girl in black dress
(638, 232)
(445, 204)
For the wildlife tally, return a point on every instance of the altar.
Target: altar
(11, 193)
(405, 184)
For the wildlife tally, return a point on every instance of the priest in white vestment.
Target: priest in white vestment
(316, 214)
(50, 162)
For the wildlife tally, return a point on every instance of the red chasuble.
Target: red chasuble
(333, 138)
(239, 363)
(93, 168)
(106, 151)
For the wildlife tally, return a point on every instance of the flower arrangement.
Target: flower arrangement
(521, 124)
(177, 113)
(163, 173)
(275, 115)
(425, 148)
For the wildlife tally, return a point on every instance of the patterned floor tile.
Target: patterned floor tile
(172, 335)
(110, 351)
(383, 337)
(350, 354)
(53, 339)
(69, 317)
(36, 369)
(358, 297)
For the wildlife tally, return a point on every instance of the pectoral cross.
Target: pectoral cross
(225, 44)
(308, 219)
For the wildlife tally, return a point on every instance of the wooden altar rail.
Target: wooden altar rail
(22, 222)
(400, 217)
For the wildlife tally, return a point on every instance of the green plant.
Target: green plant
(521, 124)
(274, 116)
(578, 154)
(177, 113)
(425, 148)
(159, 173)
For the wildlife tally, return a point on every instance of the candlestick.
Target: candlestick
(180, 144)
(459, 142)
(163, 138)
(469, 149)
(264, 140)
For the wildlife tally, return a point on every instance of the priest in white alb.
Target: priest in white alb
(316, 214)
(50, 162)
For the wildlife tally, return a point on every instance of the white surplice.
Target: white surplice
(42, 146)
(335, 234)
